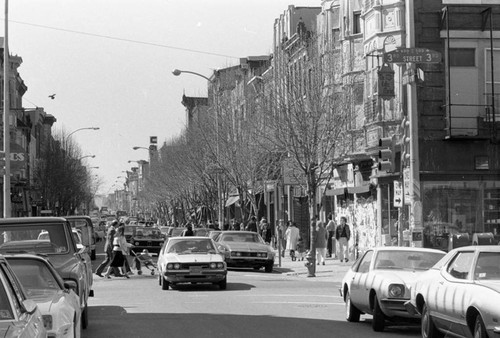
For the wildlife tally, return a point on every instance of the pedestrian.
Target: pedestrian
(292, 237)
(331, 245)
(265, 230)
(252, 225)
(188, 231)
(108, 248)
(321, 240)
(343, 234)
(280, 240)
(301, 248)
(119, 245)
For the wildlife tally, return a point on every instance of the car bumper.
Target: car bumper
(185, 276)
(248, 262)
(397, 308)
(151, 249)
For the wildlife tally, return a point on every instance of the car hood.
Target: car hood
(243, 246)
(47, 299)
(492, 284)
(201, 258)
(407, 277)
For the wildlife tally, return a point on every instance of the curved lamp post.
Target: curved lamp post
(220, 211)
(81, 158)
(135, 148)
(74, 131)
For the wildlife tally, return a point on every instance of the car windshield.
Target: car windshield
(5, 307)
(487, 266)
(34, 275)
(148, 232)
(189, 246)
(411, 259)
(240, 237)
(37, 238)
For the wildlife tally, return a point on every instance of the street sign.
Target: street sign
(412, 55)
(407, 182)
(398, 195)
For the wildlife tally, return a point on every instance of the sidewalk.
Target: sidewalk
(333, 269)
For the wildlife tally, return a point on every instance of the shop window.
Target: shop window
(462, 57)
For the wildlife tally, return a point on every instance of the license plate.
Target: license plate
(195, 270)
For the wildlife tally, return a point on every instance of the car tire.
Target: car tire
(164, 284)
(223, 284)
(269, 267)
(479, 328)
(92, 255)
(378, 321)
(427, 327)
(352, 314)
(85, 317)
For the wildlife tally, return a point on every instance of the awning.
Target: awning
(231, 200)
(333, 192)
(358, 190)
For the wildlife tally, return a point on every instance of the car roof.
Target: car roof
(77, 216)
(480, 248)
(406, 248)
(29, 220)
(188, 238)
(239, 232)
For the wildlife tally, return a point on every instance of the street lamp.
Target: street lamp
(217, 170)
(135, 148)
(74, 131)
(81, 158)
(93, 167)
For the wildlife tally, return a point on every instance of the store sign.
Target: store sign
(386, 82)
(18, 157)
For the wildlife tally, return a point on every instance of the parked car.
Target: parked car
(84, 223)
(460, 295)
(191, 260)
(246, 249)
(58, 303)
(378, 283)
(20, 235)
(146, 238)
(19, 316)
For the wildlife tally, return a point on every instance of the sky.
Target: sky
(110, 64)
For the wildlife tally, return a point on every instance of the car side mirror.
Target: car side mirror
(70, 286)
(30, 306)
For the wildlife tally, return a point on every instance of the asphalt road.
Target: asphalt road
(255, 304)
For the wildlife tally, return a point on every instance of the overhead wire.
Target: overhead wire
(123, 39)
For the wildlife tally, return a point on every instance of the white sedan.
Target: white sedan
(191, 260)
(378, 283)
(460, 296)
(59, 305)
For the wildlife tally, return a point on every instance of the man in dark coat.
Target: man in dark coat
(252, 225)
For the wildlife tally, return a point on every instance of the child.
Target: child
(146, 259)
(301, 249)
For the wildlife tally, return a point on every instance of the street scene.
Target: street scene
(232, 168)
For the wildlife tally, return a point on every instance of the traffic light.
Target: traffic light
(2, 162)
(405, 142)
(387, 156)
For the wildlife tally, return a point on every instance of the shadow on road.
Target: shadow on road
(113, 321)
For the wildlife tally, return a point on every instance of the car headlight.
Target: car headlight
(173, 266)
(47, 322)
(396, 290)
(136, 243)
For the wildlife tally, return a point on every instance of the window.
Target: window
(462, 57)
(460, 265)
(356, 23)
(364, 264)
(496, 78)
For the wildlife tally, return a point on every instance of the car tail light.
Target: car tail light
(396, 290)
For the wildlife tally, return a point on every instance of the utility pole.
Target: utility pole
(6, 114)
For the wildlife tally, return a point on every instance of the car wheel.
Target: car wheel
(85, 317)
(164, 284)
(378, 321)
(351, 312)
(223, 284)
(427, 327)
(479, 328)
(269, 267)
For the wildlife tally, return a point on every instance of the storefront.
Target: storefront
(453, 211)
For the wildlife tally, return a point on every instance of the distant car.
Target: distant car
(146, 238)
(203, 232)
(246, 249)
(20, 235)
(59, 305)
(19, 315)
(129, 232)
(379, 283)
(191, 260)
(214, 234)
(460, 295)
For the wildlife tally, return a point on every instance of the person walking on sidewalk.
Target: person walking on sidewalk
(331, 245)
(343, 234)
(108, 248)
(321, 240)
(292, 237)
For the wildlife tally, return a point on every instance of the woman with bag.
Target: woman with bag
(120, 246)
